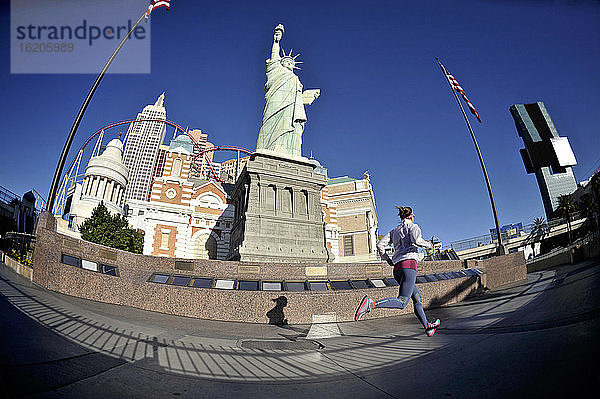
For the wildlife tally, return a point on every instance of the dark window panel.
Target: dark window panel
(341, 285)
(202, 283)
(108, 269)
(181, 280)
(295, 286)
(317, 285)
(248, 285)
(70, 260)
(360, 284)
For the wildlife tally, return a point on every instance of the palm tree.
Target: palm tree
(589, 208)
(595, 182)
(566, 206)
(539, 228)
(596, 185)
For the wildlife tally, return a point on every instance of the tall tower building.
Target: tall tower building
(200, 167)
(546, 154)
(143, 142)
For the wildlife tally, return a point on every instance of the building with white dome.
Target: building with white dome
(105, 180)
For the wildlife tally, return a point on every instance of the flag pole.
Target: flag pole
(69, 141)
(501, 250)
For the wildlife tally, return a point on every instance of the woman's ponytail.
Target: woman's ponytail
(404, 211)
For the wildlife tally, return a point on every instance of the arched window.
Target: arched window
(205, 247)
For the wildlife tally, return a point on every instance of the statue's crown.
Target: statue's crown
(291, 57)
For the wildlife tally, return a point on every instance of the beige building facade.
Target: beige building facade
(231, 169)
(349, 209)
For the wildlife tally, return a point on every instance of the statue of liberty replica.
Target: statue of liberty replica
(283, 117)
(278, 215)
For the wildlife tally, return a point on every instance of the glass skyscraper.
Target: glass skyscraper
(546, 154)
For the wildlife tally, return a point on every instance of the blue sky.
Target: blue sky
(384, 106)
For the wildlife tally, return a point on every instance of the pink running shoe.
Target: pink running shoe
(366, 305)
(432, 327)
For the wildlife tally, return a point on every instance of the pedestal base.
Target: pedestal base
(278, 212)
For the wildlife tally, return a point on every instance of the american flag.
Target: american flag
(156, 4)
(456, 86)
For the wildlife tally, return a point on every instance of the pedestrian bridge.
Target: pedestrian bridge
(514, 243)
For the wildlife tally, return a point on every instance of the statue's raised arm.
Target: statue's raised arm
(277, 35)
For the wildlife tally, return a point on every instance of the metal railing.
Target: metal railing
(7, 196)
(577, 243)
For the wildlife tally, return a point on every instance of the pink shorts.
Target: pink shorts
(406, 264)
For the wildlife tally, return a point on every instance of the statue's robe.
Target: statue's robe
(284, 116)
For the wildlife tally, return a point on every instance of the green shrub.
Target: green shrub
(111, 230)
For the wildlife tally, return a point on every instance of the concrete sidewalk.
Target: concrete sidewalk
(528, 340)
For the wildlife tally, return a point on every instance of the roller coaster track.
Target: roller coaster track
(70, 176)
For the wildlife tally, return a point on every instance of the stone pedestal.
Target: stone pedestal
(278, 215)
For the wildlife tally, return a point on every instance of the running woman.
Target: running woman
(406, 238)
